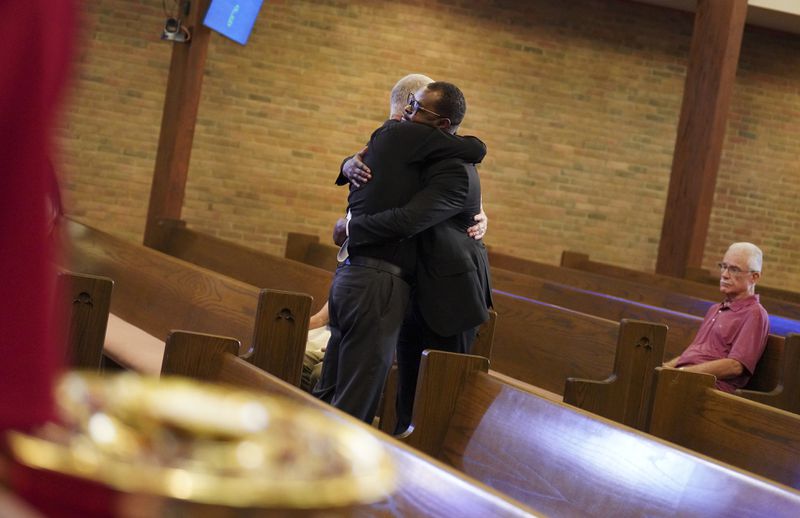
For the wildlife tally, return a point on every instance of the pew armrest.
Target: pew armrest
(132, 347)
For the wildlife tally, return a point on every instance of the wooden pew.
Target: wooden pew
(566, 462)
(620, 287)
(682, 326)
(158, 293)
(242, 263)
(786, 394)
(426, 487)
(86, 299)
(304, 247)
(687, 410)
(543, 345)
(772, 371)
(579, 261)
(706, 277)
(776, 381)
(387, 410)
(523, 333)
(625, 395)
(307, 248)
(587, 293)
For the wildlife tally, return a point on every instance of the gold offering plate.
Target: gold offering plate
(182, 439)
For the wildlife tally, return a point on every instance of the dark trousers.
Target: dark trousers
(366, 311)
(415, 337)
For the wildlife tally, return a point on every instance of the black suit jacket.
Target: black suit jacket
(453, 282)
(397, 154)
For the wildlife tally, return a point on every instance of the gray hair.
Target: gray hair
(407, 85)
(754, 255)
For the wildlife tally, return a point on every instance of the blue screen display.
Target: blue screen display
(233, 18)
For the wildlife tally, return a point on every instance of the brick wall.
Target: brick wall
(577, 101)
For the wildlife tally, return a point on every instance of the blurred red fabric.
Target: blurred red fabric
(35, 57)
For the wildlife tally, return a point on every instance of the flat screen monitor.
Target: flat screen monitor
(233, 18)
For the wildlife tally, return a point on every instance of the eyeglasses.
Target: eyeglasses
(733, 270)
(415, 105)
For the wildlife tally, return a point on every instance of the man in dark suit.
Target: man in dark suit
(371, 288)
(452, 291)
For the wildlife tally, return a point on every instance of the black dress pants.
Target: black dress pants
(366, 308)
(415, 337)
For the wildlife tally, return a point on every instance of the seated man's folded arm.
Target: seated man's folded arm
(724, 368)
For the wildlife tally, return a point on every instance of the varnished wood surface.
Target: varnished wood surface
(85, 300)
(625, 396)
(425, 487)
(543, 344)
(246, 264)
(441, 380)
(281, 334)
(566, 462)
(584, 292)
(682, 326)
(786, 395)
(158, 293)
(709, 292)
(687, 410)
(306, 248)
(636, 292)
(196, 355)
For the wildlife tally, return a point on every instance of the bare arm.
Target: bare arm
(671, 364)
(724, 368)
(320, 318)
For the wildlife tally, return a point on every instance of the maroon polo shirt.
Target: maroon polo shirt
(733, 329)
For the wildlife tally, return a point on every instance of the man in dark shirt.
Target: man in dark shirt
(371, 288)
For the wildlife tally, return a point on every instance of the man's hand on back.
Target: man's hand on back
(356, 171)
(478, 230)
(340, 231)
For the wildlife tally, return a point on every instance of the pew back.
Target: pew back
(157, 293)
(543, 344)
(579, 261)
(307, 249)
(242, 263)
(682, 327)
(567, 462)
(88, 298)
(786, 395)
(687, 410)
(425, 487)
(593, 294)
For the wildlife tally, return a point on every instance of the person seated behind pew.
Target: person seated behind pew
(318, 335)
(733, 334)
(146, 356)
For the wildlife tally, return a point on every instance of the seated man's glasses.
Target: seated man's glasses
(415, 105)
(733, 270)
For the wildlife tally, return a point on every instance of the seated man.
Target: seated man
(733, 334)
(318, 335)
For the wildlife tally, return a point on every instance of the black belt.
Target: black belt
(379, 264)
